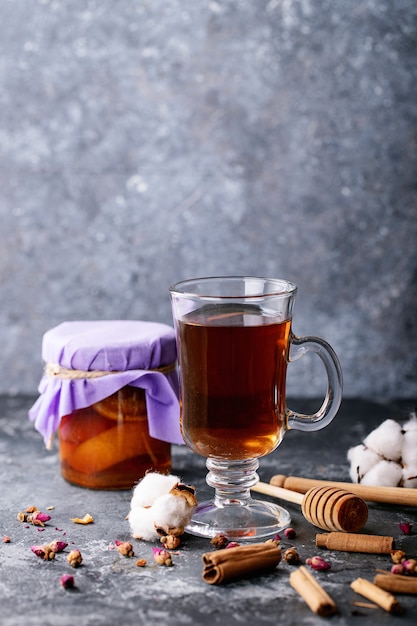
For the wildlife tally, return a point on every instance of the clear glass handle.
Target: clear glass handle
(333, 398)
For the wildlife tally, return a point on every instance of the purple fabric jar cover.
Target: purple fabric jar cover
(132, 350)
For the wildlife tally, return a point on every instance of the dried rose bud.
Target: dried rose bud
(38, 518)
(397, 556)
(318, 563)
(67, 581)
(219, 541)
(6, 539)
(290, 533)
(162, 556)
(171, 542)
(38, 550)
(232, 544)
(397, 569)
(124, 548)
(405, 528)
(141, 562)
(43, 552)
(410, 566)
(74, 558)
(291, 556)
(58, 546)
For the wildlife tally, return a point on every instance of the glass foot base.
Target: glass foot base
(238, 521)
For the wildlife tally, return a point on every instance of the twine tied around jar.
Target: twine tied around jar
(52, 370)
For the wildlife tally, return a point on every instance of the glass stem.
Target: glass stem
(232, 480)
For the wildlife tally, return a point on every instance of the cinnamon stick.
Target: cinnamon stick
(312, 593)
(354, 542)
(382, 598)
(222, 566)
(395, 583)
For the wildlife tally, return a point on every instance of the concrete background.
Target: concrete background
(146, 142)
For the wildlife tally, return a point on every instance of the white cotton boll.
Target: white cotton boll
(386, 440)
(171, 511)
(411, 424)
(142, 524)
(361, 460)
(151, 487)
(409, 449)
(383, 474)
(410, 477)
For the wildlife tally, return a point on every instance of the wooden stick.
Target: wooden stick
(388, 495)
(278, 492)
(381, 597)
(355, 542)
(396, 583)
(312, 593)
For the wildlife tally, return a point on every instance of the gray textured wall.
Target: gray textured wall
(142, 142)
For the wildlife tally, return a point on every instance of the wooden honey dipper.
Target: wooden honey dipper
(404, 496)
(328, 508)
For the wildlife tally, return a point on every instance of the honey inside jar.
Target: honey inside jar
(107, 445)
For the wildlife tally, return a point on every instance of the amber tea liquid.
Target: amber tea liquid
(233, 368)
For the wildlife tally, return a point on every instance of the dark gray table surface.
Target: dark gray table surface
(111, 589)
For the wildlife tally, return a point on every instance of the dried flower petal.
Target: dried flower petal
(290, 533)
(291, 556)
(171, 542)
(67, 581)
(405, 527)
(141, 562)
(233, 544)
(6, 539)
(38, 550)
(318, 563)
(43, 552)
(410, 566)
(58, 546)
(397, 556)
(38, 518)
(75, 558)
(219, 541)
(162, 556)
(87, 519)
(125, 548)
(31, 509)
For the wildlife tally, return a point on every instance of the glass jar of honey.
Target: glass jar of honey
(110, 390)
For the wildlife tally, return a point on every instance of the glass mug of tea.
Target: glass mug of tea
(235, 341)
